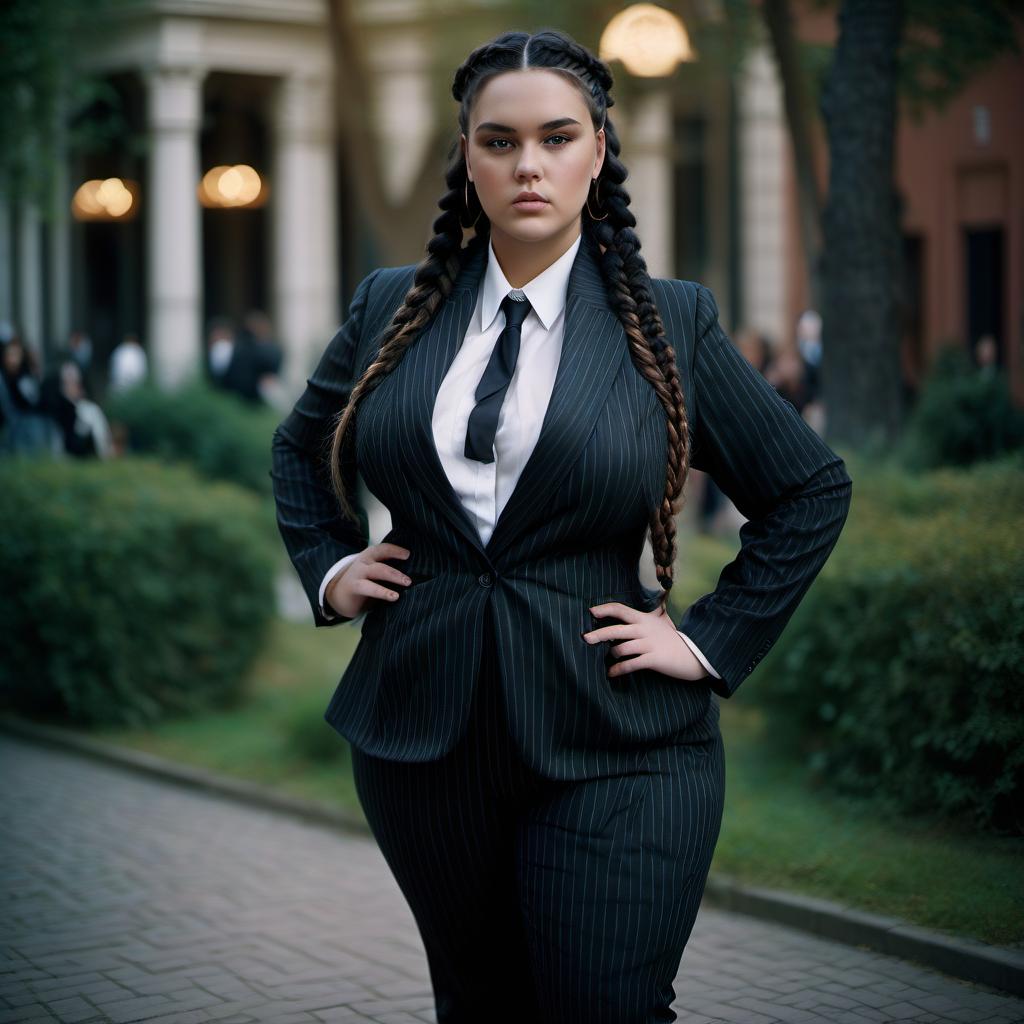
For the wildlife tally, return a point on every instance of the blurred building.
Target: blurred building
(239, 199)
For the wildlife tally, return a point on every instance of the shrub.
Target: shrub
(223, 436)
(903, 668)
(962, 416)
(132, 590)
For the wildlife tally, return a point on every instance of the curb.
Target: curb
(186, 775)
(998, 967)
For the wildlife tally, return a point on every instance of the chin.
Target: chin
(530, 229)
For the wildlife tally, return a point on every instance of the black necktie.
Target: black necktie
(490, 392)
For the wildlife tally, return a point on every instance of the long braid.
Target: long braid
(623, 268)
(629, 284)
(432, 283)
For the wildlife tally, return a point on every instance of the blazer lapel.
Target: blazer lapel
(593, 347)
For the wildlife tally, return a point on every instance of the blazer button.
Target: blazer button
(484, 579)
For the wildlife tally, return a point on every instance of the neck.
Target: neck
(521, 261)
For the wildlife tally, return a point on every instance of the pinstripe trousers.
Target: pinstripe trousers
(542, 900)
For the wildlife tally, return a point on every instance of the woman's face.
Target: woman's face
(531, 131)
(12, 356)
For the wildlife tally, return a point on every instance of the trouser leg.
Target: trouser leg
(447, 829)
(611, 872)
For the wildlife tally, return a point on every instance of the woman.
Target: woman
(25, 427)
(535, 743)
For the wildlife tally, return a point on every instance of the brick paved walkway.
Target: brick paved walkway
(127, 899)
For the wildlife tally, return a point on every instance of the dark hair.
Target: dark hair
(623, 268)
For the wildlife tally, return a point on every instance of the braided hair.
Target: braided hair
(623, 268)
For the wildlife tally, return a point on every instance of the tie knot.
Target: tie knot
(515, 310)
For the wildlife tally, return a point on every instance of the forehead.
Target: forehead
(525, 99)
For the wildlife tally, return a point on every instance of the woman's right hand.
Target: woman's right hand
(352, 589)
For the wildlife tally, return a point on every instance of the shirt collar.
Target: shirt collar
(546, 292)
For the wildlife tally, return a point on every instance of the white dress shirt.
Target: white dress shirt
(484, 488)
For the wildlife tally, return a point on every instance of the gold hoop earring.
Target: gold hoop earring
(597, 182)
(465, 192)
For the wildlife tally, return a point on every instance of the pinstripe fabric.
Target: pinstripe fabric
(540, 900)
(570, 536)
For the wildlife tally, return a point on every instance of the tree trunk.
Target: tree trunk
(861, 257)
(353, 109)
(779, 20)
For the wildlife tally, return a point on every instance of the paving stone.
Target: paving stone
(139, 901)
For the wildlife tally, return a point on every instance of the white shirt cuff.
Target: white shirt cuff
(700, 657)
(335, 570)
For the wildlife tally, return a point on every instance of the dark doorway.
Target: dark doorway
(985, 273)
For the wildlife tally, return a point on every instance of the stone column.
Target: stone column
(762, 149)
(302, 197)
(29, 268)
(649, 158)
(174, 251)
(60, 257)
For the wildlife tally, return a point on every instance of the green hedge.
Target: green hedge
(132, 589)
(902, 672)
(223, 436)
(962, 416)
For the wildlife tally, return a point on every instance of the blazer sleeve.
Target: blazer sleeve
(793, 490)
(316, 534)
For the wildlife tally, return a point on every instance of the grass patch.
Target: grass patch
(276, 734)
(780, 832)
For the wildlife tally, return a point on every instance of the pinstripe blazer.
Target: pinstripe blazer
(570, 536)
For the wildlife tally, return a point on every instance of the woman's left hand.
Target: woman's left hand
(647, 640)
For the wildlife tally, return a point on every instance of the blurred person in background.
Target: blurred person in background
(252, 372)
(83, 425)
(129, 365)
(25, 427)
(986, 355)
(220, 347)
(756, 348)
(808, 340)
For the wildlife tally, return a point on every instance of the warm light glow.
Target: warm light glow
(649, 41)
(235, 185)
(106, 199)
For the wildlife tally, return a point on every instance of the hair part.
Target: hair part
(623, 268)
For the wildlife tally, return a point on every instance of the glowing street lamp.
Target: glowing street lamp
(232, 186)
(649, 40)
(105, 199)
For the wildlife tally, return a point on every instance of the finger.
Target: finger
(621, 631)
(388, 550)
(628, 647)
(616, 610)
(370, 589)
(383, 571)
(629, 665)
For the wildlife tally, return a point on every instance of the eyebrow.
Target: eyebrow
(493, 126)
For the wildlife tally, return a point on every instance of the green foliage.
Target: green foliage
(947, 42)
(902, 672)
(133, 590)
(221, 435)
(962, 416)
(53, 108)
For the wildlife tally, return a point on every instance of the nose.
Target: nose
(527, 165)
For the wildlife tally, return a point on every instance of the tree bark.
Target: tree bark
(779, 20)
(353, 108)
(861, 255)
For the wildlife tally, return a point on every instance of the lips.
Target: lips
(527, 201)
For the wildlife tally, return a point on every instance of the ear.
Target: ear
(599, 157)
(465, 154)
